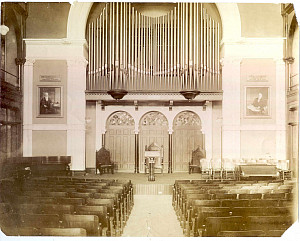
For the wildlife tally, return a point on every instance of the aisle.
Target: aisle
(153, 216)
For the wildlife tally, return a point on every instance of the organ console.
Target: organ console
(174, 52)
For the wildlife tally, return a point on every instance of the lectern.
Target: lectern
(151, 157)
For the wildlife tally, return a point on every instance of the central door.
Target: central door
(153, 128)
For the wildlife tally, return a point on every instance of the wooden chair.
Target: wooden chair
(103, 161)
(88, 222)
(159, 161)
(216, 168)
(197, 155)
(71, 232)
(229, 169)
(284, 169)
(205, 167)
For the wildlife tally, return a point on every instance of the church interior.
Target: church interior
(117, 114)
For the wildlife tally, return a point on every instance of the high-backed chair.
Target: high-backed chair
(216, 167)
(159, 161)
(229, 168)
(103, 161)
(197, 155)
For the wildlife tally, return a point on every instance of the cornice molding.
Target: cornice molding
(251, 41)
(63, 41)
(97, 95)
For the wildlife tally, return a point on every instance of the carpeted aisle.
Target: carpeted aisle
(152, 216)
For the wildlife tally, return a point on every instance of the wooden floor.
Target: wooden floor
(152, 216)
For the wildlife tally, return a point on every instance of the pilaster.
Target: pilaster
(27, 111)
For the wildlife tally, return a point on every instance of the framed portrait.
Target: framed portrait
(257, 102)
(50, 101)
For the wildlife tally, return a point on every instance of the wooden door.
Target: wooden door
(120, 140)
(187, 136)
(153, 128)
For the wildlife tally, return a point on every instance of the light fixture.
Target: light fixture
(117, 94)
(189, 94)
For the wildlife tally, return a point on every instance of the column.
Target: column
(281, 112)
(27, 107)
(170, 164)
(231, 107)
(76, 105)
(136, 156)
(103, 139)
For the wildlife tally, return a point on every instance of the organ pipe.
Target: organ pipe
(177, 51)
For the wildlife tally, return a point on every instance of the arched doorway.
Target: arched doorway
(186, 138)
(120, 140)
(153, 128)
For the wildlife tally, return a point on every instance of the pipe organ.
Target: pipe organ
(174, 52)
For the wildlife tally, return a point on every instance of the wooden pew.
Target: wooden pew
(70, 232)
(19, 231)
(88, 222)
(214, 225)
(107, 228)
(40, 220)
(248, 233)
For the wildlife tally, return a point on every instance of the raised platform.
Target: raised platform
(162, 185)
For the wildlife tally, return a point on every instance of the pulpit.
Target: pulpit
(153, 160)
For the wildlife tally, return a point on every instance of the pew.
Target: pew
(19, 231)
(107, 228)
(88, 222)
(70, 232)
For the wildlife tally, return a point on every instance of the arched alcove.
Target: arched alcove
(153, 129)
(120, 140)
(79, 12)
(187, 136)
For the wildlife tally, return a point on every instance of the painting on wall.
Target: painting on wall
(257, 101)
(50, 101)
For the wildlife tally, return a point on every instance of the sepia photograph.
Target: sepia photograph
(257, 102)
(50, 101)
(151, 120)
